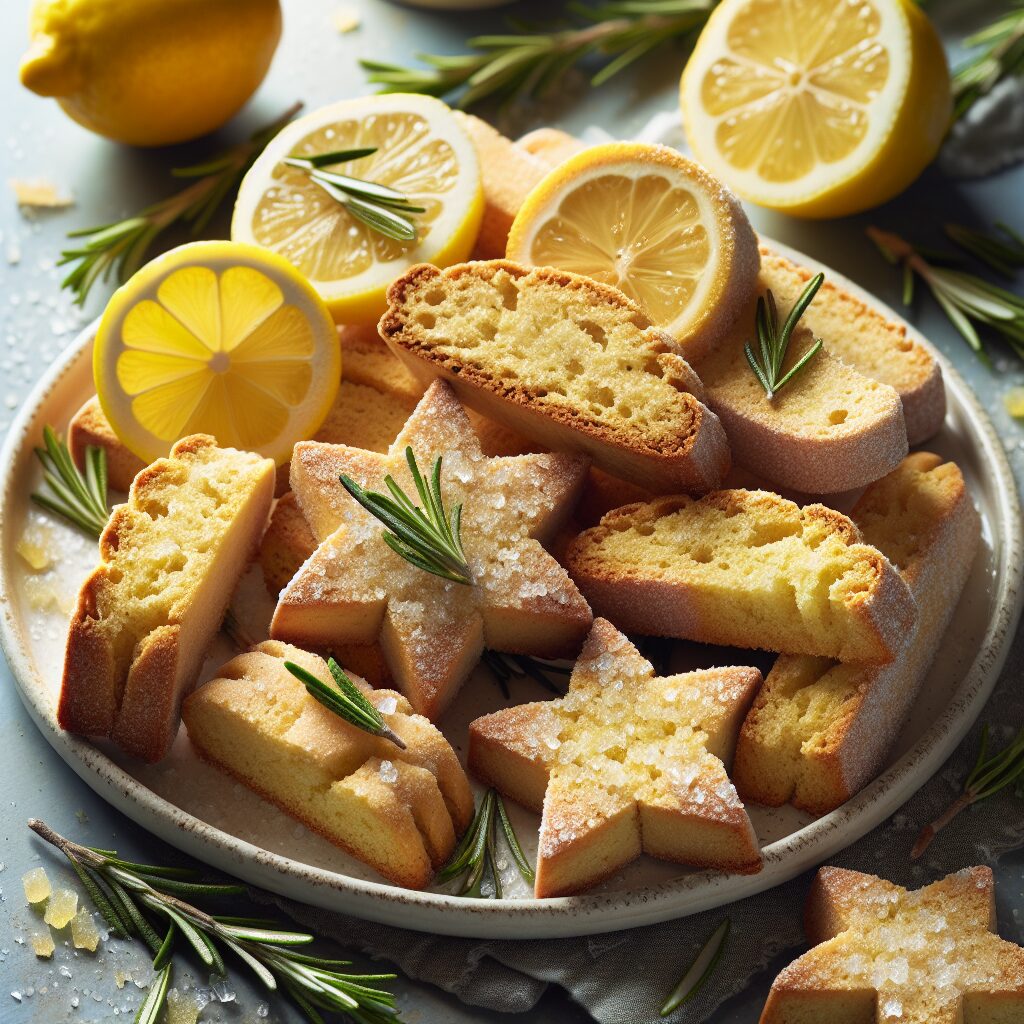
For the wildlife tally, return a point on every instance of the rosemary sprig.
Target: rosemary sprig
(1001, 57)
(773, 342)
(528, 63)
(965, 298)
(80, 498)
(347, 701)
(119, 248)
(506, 666)
(988, 776)
(425, 536)
(1003, 252)
(380, 207)
(130, 896)
(476, 855)
(699, 971)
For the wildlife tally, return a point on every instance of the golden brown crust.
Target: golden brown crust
(551, 145)
(745, 569)
(687, 453)
(90, 427)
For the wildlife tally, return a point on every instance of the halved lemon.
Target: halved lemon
(820, 108)
(422, 151)
(652, 223)
(216, 338)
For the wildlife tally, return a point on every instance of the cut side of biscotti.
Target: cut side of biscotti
(862, 337)
(170, 559)
(820, 731)
(571, 363)
(400, 811)
(744, 569)
(830, 429)
(625, 763)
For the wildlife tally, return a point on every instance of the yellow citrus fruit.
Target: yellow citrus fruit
(150, 72)
(216, 338)
(653, 224)
(820, 108)
(421, 150)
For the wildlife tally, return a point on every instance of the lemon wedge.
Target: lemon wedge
(651, 223)
(421, 150)
(820, 108)
(216, 338)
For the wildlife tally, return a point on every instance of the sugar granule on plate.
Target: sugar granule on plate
(39, 194)
(62, 907)
(36, 884)
(84, 933)
(346, 19)
(42, 944)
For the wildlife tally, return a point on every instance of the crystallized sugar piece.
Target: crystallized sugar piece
(388, 773)
(181, 1008)
(42, 944)
(388, 706)
(36, 884)
(84, 933)
(61, 908)
(891, 1007)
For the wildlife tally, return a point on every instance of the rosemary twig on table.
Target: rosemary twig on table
(988, 776)
(965, 298)
(528, 63)
(476, 855)
(425, 536)
(80, 498)
(1001, 56)
(347, 701)
(138, 899)
(506, 666)
(1003, 252)
(119, 248)
(773, 340)
(699, 971)
(380, 207)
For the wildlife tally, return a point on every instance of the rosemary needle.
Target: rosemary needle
(699, 971)
(80, 498)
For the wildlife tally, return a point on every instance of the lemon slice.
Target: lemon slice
(422, 150)
(216, 338)
(817, 107)
(655, 225)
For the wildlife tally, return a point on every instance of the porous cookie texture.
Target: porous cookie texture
(562, 359)
(625, 763)
(400, 811)
(169, 560)
(864, 338)
(819, 731)
(887, 955)
(745, 569)
(356, 589)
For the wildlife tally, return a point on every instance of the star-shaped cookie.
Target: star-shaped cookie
(356, 589)
(625, 763)
(887, 955)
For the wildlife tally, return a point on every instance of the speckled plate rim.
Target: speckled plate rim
(570, 916)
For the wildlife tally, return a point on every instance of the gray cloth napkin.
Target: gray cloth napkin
(622, 977)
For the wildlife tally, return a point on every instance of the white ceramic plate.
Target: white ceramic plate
(194, 807)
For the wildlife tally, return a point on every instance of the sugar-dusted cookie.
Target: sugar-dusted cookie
(887, 955)
(625, 763)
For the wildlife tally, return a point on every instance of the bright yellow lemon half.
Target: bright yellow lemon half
(820, 108)
(421, 150)
(217, 338)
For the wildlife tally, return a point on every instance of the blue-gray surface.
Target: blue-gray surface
(317, 65)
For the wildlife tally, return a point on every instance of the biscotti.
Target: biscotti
(507, 173)
(90, 427)
(819, 731)
(169, 560)
(881, 953)
(562, 359)
(551, 145)
(745, 569)
(400, 811)
(624, 763)
(862, 337)
(355, 589)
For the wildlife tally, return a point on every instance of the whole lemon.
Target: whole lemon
(150, 72)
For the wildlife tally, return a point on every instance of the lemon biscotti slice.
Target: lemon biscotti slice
(571, 363)
(819, 731)
(625, 763)
(169, 560)
(746, 569)
(398, 810)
